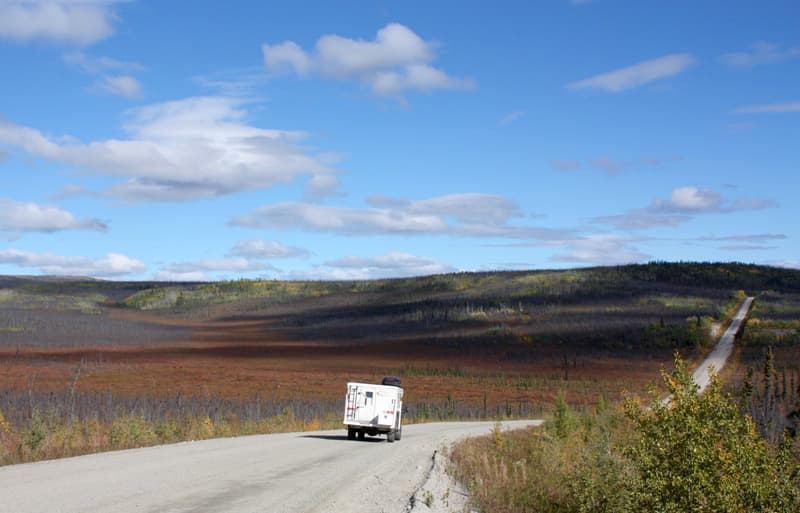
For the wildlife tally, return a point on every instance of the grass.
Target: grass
(48, 435)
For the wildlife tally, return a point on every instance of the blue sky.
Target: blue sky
(322, 140)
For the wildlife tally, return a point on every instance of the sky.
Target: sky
(203, 140)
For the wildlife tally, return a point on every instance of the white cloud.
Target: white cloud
(636, 75)
(642, 219)
(189, 276)
(108, 266)
(505, 266)
(397, 60)
(246, 256)
(389, 265)
(769, 108)
(682, 204)
(692, 198)
(601, 250)
(286, 55)
(322, 186)
(122, 85)
(761, 52)
(339, 219)
(18, 216)
(180, 150)
(467, 207)
(265, 249)
(66, 21)
(234, 264)
(394, 264)
(470, 215)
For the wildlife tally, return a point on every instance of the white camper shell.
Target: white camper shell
(373, 409)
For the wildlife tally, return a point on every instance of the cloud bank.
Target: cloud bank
(682, 205)
(466, 214)
(600, 250)
(111, 265)
(389, 265)
(18, 217)
(182, 150)
(266, 249)
(63, 21)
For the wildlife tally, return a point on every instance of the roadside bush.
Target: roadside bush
(131, 431)
(5, 439)
(696, 454)
(36, 433)
(699, 454)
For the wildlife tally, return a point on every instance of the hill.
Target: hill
(261, 355)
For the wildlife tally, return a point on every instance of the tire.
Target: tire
(390, 436)
(361, 435)
(351, 434)
(398, 432)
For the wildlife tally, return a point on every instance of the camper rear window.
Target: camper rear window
(369, 394)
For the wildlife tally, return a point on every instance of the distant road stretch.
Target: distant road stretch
(719, 355)
(723, 349)
(311, 472)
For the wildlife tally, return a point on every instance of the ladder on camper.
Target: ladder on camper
(352, 403)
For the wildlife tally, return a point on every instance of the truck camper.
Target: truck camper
(374, 409)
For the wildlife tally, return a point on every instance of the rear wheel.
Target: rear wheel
(351, 434)
(390, 436)
(361, 435)
(398, 432)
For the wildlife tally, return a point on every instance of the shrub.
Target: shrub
(131, 431)
(698, 453)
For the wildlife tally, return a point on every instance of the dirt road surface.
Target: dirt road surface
(717, 358)
(310, 472)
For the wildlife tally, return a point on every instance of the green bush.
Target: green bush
(699, 454)
(131, 431)
(696, 454)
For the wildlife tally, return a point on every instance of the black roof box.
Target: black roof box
(392, 381)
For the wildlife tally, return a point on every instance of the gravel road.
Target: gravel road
(722, 350)
(717, 358)
(317, 471)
